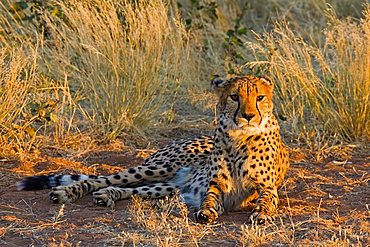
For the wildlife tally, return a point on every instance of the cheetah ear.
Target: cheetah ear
(219, 85)
(266, 80)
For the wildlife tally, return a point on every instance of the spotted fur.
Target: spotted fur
(242, 165)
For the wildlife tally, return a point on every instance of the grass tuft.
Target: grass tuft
(321, 89)
(116, 68)
(17, 80)
(124, 58)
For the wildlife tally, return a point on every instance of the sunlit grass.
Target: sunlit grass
(114, 69)
(17, 79)
(124, 58)
(321, 89)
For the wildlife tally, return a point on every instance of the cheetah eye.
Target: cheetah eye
(234, 97)
(260, 97)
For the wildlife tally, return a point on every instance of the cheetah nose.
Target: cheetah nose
(248, 116)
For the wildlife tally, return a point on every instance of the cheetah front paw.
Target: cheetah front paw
(259, 217)
(206, 216)
(59, 195)
(103, 198)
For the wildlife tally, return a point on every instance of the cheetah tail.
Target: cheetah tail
(49, 181)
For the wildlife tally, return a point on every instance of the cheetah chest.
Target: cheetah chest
(250, 165)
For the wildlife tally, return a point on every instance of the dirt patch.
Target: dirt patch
(321, 203)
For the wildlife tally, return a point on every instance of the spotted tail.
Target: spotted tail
(49, 181)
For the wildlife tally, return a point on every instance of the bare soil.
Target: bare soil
(322, 204)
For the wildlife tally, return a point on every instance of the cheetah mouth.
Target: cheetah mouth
(245, 130)
(248, 126)
(242, 124)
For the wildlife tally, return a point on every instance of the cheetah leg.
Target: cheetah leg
(107, 196)
(266, 207)
(72, 192)
(249, 202)
(160, 167)
(76, 190)
(212, 206)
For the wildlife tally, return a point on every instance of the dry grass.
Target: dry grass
(218, 26)
(322, 89)
(125, 59)
(17, 80)
(114, 68)
(163, 222)
(318, 57)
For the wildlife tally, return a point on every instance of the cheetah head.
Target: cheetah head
(245, 103)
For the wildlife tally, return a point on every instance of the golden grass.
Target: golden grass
(116, 69)
(17, 79)
(321, 89)
(317, 56)
(112, 66)
(125, 59)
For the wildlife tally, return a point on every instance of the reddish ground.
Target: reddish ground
(326, 202)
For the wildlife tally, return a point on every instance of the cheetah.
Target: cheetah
(240, 167)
